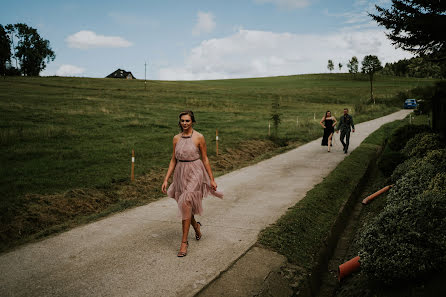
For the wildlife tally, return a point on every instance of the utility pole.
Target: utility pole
(145, 72)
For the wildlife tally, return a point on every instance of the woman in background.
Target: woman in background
(328, 122)
(192, 179)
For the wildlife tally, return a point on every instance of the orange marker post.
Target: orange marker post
(133, 166)
(348, 267)
(376, 194)
(216, 140)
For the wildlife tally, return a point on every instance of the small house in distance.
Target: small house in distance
(121, 74)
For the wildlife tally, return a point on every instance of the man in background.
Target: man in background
(344, 125)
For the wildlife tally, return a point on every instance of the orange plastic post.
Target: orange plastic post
(376, 194)
(348, 267)
(216, 140)
(133, 166)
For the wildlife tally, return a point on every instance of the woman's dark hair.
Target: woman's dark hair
(190, 113)
(326, 114)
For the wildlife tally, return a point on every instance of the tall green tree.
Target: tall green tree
(340, 66)
(370, 65)
(330, 65)
(416, 25)
(353, 65)
(5, 50)
(32, 51)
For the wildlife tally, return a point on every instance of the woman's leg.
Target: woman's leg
(186, 225)
(329, 141)
(195, 226)
(186, 212)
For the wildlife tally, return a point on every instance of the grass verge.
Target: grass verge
(305, 234)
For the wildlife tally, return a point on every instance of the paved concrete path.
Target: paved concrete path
(133, 253)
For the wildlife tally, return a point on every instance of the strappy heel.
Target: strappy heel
(183, 254)
(196, 235)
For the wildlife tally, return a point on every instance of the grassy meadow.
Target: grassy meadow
(66, 142)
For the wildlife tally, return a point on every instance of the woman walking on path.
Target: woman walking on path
(328, 122)
(192, 179)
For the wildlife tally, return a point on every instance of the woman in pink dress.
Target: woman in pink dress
(192, 179)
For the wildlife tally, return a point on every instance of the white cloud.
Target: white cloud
(89, 39)
(249, 53)
(205, 23)
(69, 70)
(285, 4)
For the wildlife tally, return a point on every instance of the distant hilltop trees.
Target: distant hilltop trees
(23, 45)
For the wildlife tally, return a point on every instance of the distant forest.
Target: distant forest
(416, 67)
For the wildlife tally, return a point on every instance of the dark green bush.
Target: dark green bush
(400, 136)
(438, 183)
(435, 157)
(418, 174)
(406, 241)
(411, 184)
(402, 168)
(421, 144)
(389, 160)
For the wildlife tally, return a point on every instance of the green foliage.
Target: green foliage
(370, 65)
(406, 241)
(415, 67)
(402, 168)
(5, 51)
(421, 144)
(389, 160)
(330, 65)
(33, 51)
(417, 175)
(353, 65)
(438, 183)
(414, 25)
(400, 136)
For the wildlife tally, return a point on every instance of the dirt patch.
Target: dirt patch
(37, 216)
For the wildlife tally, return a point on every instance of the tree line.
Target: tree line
(370, 65)
(23, 45)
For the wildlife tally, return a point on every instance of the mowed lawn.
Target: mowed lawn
(59, 134)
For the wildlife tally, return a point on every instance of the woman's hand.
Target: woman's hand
(214, 185)
(164, 187)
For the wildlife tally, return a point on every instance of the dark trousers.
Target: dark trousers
(345, 134)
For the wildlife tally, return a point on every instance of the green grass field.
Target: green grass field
(61, 134)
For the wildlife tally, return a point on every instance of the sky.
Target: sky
(203, 39)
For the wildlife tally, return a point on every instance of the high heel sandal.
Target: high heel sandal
(196, 235)
(183, 254)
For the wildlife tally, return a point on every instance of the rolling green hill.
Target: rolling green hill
(65, 134)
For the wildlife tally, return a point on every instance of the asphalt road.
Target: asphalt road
(133, 253)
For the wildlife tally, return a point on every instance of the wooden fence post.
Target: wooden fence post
(133, 166)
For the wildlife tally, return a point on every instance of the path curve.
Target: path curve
(133, 253)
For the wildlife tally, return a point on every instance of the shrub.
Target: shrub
(411, 184)
(400, 136)
(402, 168)
(422, 143)
(438, 183)
(389, 160)
(405, 241)
(435, 157)
(418, 175)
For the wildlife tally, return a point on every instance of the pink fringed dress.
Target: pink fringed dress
(191, 182)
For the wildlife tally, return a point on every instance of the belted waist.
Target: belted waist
(188, 160)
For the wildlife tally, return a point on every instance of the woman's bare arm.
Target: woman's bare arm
(334, 121)
(321, 122)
